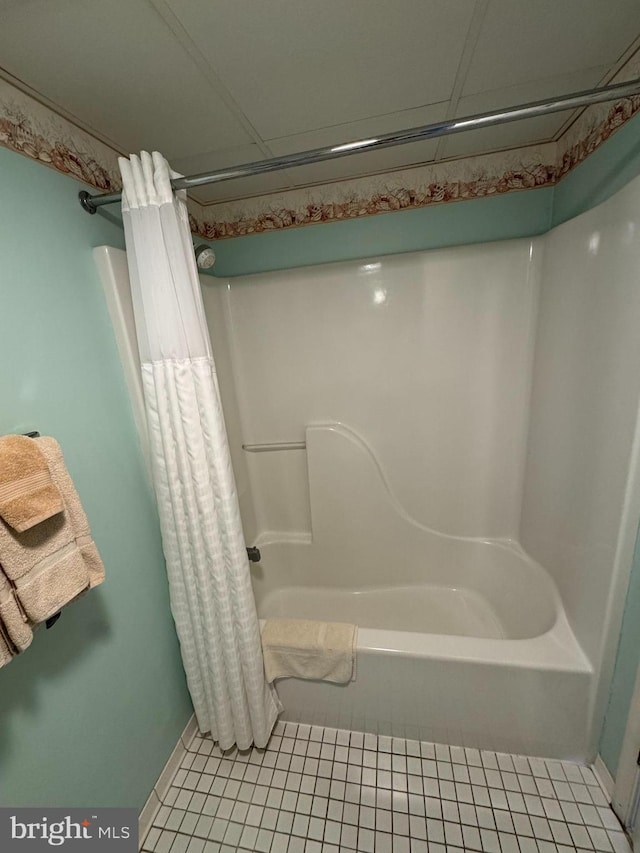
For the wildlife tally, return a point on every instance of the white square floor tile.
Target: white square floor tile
(321, 790)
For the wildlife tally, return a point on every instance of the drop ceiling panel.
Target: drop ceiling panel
(216, 158)
(296, 66)
(525, 40)
(401, 156)
(216, 83)
(517, 133)
(118, 68)
(355, 165)
(210, 161)
(239, 188)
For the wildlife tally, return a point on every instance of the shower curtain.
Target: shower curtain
(210, 588)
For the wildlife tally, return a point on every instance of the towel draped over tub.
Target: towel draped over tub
(301, 648)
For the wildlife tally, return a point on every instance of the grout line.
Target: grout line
(182, 36)
(554, 826)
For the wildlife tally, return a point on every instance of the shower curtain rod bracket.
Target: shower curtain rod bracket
(85, 201)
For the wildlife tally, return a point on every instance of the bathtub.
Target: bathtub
(479, 652)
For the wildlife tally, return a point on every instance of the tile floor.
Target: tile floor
(317, 789)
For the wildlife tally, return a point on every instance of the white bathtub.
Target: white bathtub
(440, 664)
(480, 653)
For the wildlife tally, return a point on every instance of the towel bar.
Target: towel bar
(279, 445)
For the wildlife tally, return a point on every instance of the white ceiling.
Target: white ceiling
(214, 83)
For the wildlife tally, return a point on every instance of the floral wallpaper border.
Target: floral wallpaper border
(458, 180)
(597, 123)
(31, 129)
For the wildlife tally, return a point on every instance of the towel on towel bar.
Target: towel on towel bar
(27, 493)
(6, 655)
(73, 509)
(49, 565)
(7, 648)
(15, 631)
(300, 648)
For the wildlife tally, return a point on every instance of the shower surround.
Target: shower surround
(468, 486)
(468, 490)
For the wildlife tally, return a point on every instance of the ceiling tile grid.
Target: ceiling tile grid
(523, 41)
(518, 133)
(213, 83)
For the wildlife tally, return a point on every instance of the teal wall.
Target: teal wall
(89, 713)
(602, 174)
(499, 217)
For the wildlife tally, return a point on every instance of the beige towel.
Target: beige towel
(7, 648)
(53, 584)
(324, 651)
(52, 563)
(15, 632)
(6, 655)
(77, 516)
(27, 493)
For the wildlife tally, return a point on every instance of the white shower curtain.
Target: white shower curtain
(210, 588)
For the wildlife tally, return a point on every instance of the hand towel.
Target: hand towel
(301, 648)
(54, 562)
(27, 493)
(77, 517)
(52, 584)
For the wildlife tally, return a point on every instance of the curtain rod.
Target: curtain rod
(91, 203)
